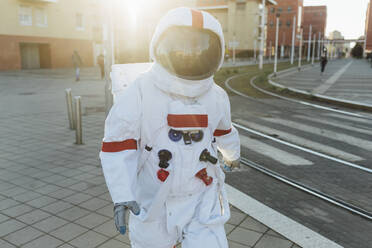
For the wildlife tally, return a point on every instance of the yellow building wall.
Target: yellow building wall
(61, 18)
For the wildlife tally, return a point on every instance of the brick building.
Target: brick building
(368, 30)
(44, 33)
(316, 16)
(286, 10)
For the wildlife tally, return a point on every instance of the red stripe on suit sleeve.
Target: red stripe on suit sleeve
(118, 146)
(221, 132)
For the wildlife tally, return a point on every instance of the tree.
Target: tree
(357, 51)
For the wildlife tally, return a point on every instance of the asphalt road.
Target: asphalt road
(347, 138)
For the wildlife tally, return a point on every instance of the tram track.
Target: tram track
(336, 201)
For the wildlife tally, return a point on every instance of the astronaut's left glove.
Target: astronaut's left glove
(231, 165)
(120, 210)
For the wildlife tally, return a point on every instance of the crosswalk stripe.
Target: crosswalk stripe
(274, 153)
(336, 124)
(365, 144)
(349, 118)
(301, 141)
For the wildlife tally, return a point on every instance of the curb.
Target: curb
(319, 97)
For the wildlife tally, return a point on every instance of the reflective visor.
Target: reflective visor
(188, 52)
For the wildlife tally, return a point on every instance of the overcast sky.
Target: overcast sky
(346, 16)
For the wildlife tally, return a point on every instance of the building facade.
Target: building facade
(44, 33)
(240, 20)
(368, 30)
(316, 16)
(286, 10)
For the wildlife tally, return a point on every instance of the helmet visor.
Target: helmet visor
(189, 53)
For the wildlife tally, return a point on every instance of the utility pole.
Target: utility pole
(254, 51)
(300, 52)
(313, 55)
(309, 44)
(293, 39)
(262, 35)
(234, 50)
(276, 45)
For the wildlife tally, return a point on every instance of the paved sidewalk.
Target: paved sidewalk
(52, 192)
(353, 82)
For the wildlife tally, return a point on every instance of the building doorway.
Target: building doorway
(35, 56)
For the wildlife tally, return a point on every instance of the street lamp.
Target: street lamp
(300, 52)
(293, 39)
(276, 44)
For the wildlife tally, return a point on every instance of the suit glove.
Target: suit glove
(120, 210)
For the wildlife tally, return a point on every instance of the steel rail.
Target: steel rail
(330, 199)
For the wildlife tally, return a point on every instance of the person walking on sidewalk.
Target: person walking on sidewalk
(159, 152)
(77, 62)
(323, 61)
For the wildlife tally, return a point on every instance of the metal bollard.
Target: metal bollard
(79, 131)
(69, 108)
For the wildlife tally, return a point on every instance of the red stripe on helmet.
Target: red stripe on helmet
(197, 18)
(221, 132)
(118, 146)
(187, 120)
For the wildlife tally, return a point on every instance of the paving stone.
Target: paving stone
(92, 220)
(62, 193)
(57, 207)
(14, 191)
(107, 228)
(236, 218)
(4, 244)
(68, 232)
(94, 204)
(229, 228)
(65, 246)
(254, 225)
(23, 236)
(244, 236)
(295, 246)
(7, 203)
(50, 224)
(47, 189)
(41, 201)
(73, 213)
(44, 241)
(10, 226)
(273, 233)
(107, 210)
(3, 218)
(33, 216)
(123, 238)
(17, 210)
(28, 196)
(114, 244)
(271, 241)
(89, 239)
(237, 245)
(77, 198)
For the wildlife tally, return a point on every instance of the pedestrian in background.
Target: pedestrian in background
(101, 63)
(77, 62)
(323, 61)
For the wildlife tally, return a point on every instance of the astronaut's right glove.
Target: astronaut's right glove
(120, 210)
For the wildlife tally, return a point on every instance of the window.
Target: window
(41, 17)
(280, 10)
(79, 21)
(289, 9)
(271, 23)
(240, 6)
(288, 23)
(272, 10)
(280, 23)
(25, 15)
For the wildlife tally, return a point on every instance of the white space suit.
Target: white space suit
(161, 138)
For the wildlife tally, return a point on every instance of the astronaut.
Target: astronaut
(159, 152)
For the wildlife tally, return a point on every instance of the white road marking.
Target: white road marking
(365, 144)
(350, 118)
(336, 124)
(324, 87)
(301, 141)
(274, 153)
(280, 223)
